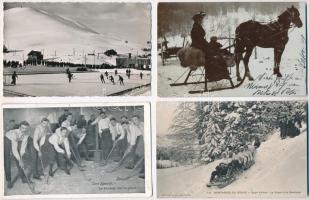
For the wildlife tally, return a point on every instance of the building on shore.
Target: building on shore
(34, 58)
(136, 62)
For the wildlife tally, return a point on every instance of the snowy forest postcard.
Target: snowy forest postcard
(77, 49)
(232, 49)
(232, 149)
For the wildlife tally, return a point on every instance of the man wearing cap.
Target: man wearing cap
(16, 142)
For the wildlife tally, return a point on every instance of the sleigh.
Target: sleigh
(167, 52)
(201, 70)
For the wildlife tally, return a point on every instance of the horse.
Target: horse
(271, 35)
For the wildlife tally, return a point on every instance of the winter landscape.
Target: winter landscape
(232, 149)
(59, 52)
(174, 26)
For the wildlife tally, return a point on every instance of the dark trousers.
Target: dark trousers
(8, 154)
(283, 130)
(122, 146)
(48, 156)
(37, 163)
(74, 149)
(106, 142)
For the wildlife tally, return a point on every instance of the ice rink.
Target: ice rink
(83, 84)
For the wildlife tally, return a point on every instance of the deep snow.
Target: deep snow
(279, 171)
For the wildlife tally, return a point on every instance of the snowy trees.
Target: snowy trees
(226, 126)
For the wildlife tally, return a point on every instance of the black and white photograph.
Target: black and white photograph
(75, 150)
(232, 149)
(76, 49)
(232, 49)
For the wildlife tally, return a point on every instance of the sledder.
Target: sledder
(228, 171)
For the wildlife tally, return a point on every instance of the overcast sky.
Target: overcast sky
(130, 21)
(165, 114)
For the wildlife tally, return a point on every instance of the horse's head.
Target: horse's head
(294, 16)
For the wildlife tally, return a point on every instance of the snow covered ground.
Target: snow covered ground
(84, 84)
(94, 180)
(279, 171)
(59, 39)
(294, 72)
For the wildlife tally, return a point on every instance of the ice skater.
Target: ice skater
(70, 76)
(106, 74)
(121, 80)
(111, 78)
(141, 75)
(116, 72)
(102, 78)
(14, 77)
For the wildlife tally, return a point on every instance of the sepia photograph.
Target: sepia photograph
(76, 49)
(95, 150)
(231, 49)
(232, 149)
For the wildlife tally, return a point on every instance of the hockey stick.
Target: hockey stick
(133, 172)
(31, 186)
(110, 153)
(46, 175)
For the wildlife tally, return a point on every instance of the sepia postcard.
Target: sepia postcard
(232, 149)
(76, 49)
(88, 150)
(232, 49)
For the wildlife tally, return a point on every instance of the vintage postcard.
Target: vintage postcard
(95, 150)
(232, 49)
(232, 149)
(77, 49)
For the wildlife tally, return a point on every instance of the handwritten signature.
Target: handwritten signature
(265, 85)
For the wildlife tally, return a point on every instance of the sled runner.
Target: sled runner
(204, 71)
(222, 183)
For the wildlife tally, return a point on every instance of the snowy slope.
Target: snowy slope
(280, 167)
(29, 29)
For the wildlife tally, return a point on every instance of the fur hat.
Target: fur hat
(198, 16)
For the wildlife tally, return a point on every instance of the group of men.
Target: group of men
(64, 144)
(120, 78)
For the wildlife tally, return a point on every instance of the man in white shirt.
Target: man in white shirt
(68, 124)
(16, 142)
(118, 136)
(138, 128)
(62, 153)
(105, 137)
(39, 138)
(135, 132)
